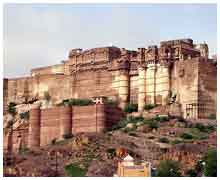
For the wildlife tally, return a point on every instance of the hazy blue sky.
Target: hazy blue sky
(38, 35)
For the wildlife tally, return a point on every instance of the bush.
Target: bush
(169, 168)
(129, 108)
(203, 128)
(129, 130)
(24, 150)
(210, 128)
(111, 151)
(191, 173)
(176, 141)
(200, 126)
(164, 140)
(162, 118)
(77, 102)
(12, 108)
(124, 121)
(24, 115)
(186, 136)
(212, 116)
(74, 170)
(211, 163)
(153, 124)
(149, 106)
(67, 136)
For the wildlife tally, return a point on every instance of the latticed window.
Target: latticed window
(134, 98)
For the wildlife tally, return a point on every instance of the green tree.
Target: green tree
(12, 108)
(210, 168)
(169, 168)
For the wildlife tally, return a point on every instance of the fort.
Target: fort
(178, 73)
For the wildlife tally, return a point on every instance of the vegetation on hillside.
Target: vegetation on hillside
(169, 168)
(77, 102)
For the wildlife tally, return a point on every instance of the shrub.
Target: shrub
(12, 108)
(191, 173)
(24, 150)
(162, 118)
(203, 128)
(24, 115)
(74, 170)
(211, 163)
(149, 106)
(77, 102)
(200, 126)
(153, 124)
(129, 108)
(176, 141)
(111, 151)
(164, 140)
(169, 168)
(210, 128)
(128, 130)
(124, 121)
(186, 136)
(212, 116)
(67, 136)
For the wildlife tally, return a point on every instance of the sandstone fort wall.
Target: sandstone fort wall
(54, 123)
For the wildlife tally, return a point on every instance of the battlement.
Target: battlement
(177, 42)
(55, 69)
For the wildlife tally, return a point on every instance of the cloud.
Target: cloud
(39, 34)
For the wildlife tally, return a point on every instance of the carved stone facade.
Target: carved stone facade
(177, 69)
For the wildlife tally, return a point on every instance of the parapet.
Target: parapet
(177, 42)
(47, 70)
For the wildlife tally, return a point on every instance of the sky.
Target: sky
(37, 35)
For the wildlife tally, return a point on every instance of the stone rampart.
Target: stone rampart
(47, 125)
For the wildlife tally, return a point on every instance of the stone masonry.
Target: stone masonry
(177, 69)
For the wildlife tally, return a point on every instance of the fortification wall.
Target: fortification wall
(87, 84)
(55, 69)
(88, 119)
(207, 88)
(5, 95)
(34, 128)
(18, 89)
(162, 83)
(51, 124)
(112, 115)
(58, 87)
(185, 84)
